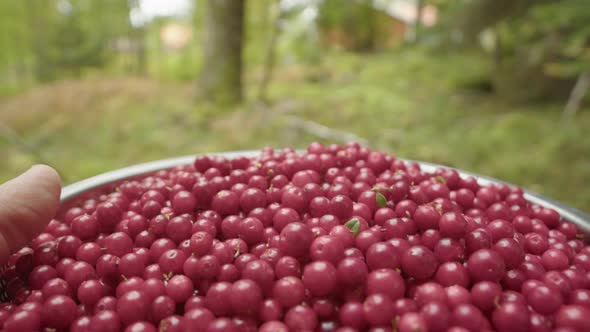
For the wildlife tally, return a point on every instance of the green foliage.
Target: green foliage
(352, 21)
(74, 49)
(566, 26)
(49, 39)
(544, 50)
(403, 102)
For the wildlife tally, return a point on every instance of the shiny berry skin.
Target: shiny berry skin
(447, 249)
(172, 261)
(437, 316)
(90, 291)
(412, 322)
(23, 320)
(452, 225)
(510, 317)
(554, 259)
(289, 291)
(544, 300)
(574, 317)
(535, 243)
(468, 316)
(382, 255)
(511, 252)
(118, 244)
(133, 306)
(485, 264)
(142, 326)
(183, 202)
(41, 274)
(320, 278)
(295, 239)
(486, 295)
(387, 282)
(378, 309)
(79, 272)
(179, 288)
(429, 292)
(426, 217)
(81, 324)
(85, 227)
(580, 297)
(179, 229)
(226, 203)
(251, 230)
(352, 271)
(301, 318)
(452, 273)
(419, 262)
(106, 320)
(197, 319)
(161, 307)
(58, 312)
(246, 297)
(326, 248)
(218, 298)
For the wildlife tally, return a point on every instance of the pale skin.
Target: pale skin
(27, 204)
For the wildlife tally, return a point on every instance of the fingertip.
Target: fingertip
(27, 203)
(48, 175)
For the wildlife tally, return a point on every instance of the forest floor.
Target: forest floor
(408, 103)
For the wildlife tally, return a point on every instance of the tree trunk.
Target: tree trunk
(270, 59)
(418, 22)
(221, 77)
(42, 69)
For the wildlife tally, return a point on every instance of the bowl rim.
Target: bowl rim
(71, 191)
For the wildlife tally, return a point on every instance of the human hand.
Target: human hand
(27, 204)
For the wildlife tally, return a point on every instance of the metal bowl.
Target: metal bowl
(106, 182)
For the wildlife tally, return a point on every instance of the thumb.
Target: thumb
(27, 203)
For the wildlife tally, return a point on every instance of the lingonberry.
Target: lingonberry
(485, 295)
(302, 241)
(320, 277)
(197, 319)
(457, 295)
(106, 320)
(289, 291)
(85, 227)
(378, 309)
(387, 282)
(453, 225)
(419, 262)
(133, 306)
(326, 248)
(301, 318)
(246, 297)
(485, 264)
(511, 316)
(162, 306)
(544, 300)
(58, 311)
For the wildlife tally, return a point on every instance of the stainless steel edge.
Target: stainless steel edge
(77, 188)
(69, 192)
(571, 214)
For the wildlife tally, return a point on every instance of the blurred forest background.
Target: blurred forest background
(497, 87)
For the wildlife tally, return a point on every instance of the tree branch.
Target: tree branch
(577, 95)
(12, 137)
(324, 132)
(270, 59)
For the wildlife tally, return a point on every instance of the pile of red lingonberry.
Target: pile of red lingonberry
(339, 238)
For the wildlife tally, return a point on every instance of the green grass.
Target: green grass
(405, 102)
